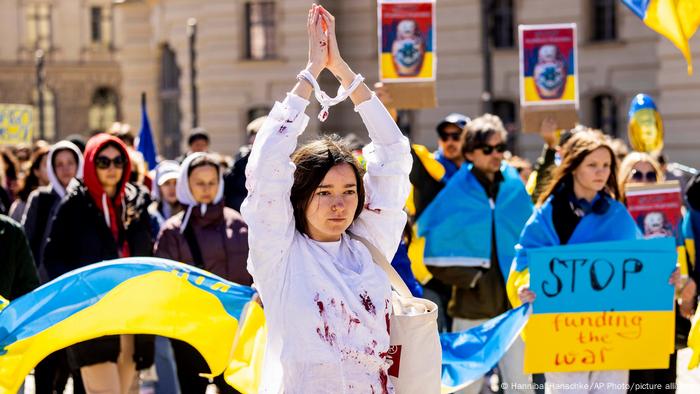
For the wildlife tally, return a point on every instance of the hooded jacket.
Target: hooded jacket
(220, 232)
(42, 202)
(90, 227)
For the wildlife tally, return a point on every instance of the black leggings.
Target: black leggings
(189, 365)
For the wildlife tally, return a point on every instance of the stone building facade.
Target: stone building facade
(82, 78)
(248, 53)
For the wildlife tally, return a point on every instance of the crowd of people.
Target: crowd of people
(456, 223)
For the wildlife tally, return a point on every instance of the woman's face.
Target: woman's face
(42, 172)
(642, 172)
(168, 191)
(65, 167)
(204, 183)
(332, 207)
(109, 165)
(592, 174)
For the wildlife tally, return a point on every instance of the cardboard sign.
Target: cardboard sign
(548, 75)
(600, 304)
(656, 208)
(406, 40)
(16, 124)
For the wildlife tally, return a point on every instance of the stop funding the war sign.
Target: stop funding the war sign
(601, 306)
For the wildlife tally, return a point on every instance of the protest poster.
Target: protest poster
(601, 306)
(548, 75)
(656, 208)
(16, 124)
(407, 51)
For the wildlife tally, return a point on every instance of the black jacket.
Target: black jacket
(79, 237)
(18, 274)
(234, 184)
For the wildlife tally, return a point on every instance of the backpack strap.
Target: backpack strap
(194, 246)
(396, 282)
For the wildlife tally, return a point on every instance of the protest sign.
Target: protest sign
(601, 306)
(548, 75)
(16, 124)
(656, 208)
(407, 51)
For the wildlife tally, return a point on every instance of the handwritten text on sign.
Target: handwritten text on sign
(610, 276)
(16, 122)
(601, 306)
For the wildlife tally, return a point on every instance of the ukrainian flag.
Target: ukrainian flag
(124, 296)
(676, 20)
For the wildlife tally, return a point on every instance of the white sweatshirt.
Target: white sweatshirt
(327, 304)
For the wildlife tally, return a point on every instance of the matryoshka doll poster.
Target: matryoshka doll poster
(548, 65)
(406, 40)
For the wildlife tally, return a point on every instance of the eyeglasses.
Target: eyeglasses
(488, 149)
(639, 176)
(450, 136)
(104, 162)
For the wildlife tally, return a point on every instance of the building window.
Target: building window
(605, 114)
(604, 20)
(502, 25)
(101, 25)
(49, 102)
(260, 30)
(103, 109)
(38, 18)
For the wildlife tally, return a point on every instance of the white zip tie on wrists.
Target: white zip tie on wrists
(323, 98)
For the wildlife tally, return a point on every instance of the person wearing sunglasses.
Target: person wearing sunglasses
(103, 218)
(642, 168)
(471, 229)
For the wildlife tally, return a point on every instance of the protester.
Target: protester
(210, 236)
(101, 219)
(523, 166)
(164, 206)
(488, 198)
(164, 194)
(642, 168)
(36, 176)
(327, 304)
(64, 161)
(197, 141)
(234, 180)
(19, 274)
(580, 205)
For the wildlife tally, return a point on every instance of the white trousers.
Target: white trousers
(511, 364)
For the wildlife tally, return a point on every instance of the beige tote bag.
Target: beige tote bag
(415, 353)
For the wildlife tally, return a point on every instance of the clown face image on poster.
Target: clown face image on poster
(406, 41)
(548, 64)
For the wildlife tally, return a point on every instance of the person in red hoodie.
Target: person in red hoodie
(103, 218)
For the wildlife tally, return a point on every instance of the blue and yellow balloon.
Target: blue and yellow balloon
(645, 128)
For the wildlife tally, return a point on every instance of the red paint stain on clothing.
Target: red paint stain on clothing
(384, 381)
(325, 333)
(387, 316)
(367, 303)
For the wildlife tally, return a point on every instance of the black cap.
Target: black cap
(456, 119)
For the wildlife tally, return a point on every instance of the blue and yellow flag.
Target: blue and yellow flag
(124, 296)
(466, 355)
(676, 20)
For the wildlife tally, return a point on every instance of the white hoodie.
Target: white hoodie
(53, 179)
(184, 194)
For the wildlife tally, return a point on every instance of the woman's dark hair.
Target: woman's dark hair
(203, 161)
(479, 130)
(31, 181)
(576, 149)
(313, 161)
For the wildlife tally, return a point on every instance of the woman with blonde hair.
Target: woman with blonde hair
(639, 167)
